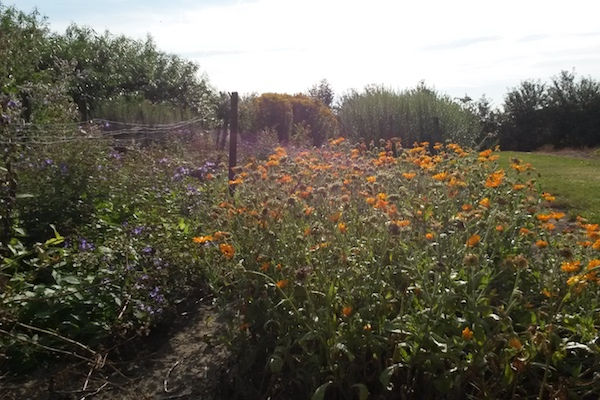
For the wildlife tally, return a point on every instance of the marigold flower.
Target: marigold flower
(518, 186)
(227, 250)
(524, 231)
(570, 266)
(548, 197)
(467, 333)
(282, 283)
(203, 239)
(218, 235)
(285, 179)
(499, 228)
(473, 240)
(573, 280)
(265, 266)
(370, 200)
(342, 227)
(409, 175)
(541, 244)
(549, 226)
(440, 177)
(485, 202)
(596, 245)
(347, 311)
(335, 217)
(467, 207)
(495, 179)
(429, 235)
(371, 179)
(543, 217)
(593, 264)
(515, 343)
(485, 153)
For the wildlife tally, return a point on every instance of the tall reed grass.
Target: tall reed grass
(415, 115)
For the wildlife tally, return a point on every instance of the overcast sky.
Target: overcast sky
(459, 47)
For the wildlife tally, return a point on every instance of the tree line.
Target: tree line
(81, 74)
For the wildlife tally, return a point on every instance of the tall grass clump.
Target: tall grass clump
(415, 115)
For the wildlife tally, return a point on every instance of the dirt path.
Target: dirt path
(187, 361)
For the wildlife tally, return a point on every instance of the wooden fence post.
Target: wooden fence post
(233, 139)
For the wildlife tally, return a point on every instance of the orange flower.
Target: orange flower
(342, 227)
(227, 250)
(543, 217)
(548, 197)
(570, 266)
(347, 311)
(499, 228)
(593, 264)
(495, 179)
(220, 235)
(409, 175)
(370, 200)
(515, 343)
(524, 231)
(441, 176)
(308, 210)
(467, 207)
(541, 244)
(265, 266)
(282, 283)
(596, 245)
(485, 202)
(467, 333)
(430, 236)
(203, 239)
(473, 240)
(285, 179)
(485, 153)
(371, 179)
(335, 217)
(518, 186)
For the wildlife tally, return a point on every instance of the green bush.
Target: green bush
(415, 115)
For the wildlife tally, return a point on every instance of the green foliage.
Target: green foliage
(415, 115)
(121, 261)
(322, 92)
(562, 113)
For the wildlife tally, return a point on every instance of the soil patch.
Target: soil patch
(185, 360)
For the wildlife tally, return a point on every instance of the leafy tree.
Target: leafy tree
(322, 91)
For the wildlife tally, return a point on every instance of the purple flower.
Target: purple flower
(11, 104)
(84, 245)
(137, 230)
(147, 250)
(116, 155)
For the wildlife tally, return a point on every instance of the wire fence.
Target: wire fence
(97, 129)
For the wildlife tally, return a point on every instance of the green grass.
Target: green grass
(574, 181)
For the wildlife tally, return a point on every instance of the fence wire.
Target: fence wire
(96, 129)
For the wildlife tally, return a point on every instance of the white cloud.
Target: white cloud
(459, 46)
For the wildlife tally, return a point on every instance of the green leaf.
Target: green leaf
(275, 363)
(71, 280)
(319, 394)
(386, 375)
(363, 391)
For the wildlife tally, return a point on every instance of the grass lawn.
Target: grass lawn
(574, 181)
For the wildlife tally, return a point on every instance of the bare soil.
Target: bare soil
(185, 360)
